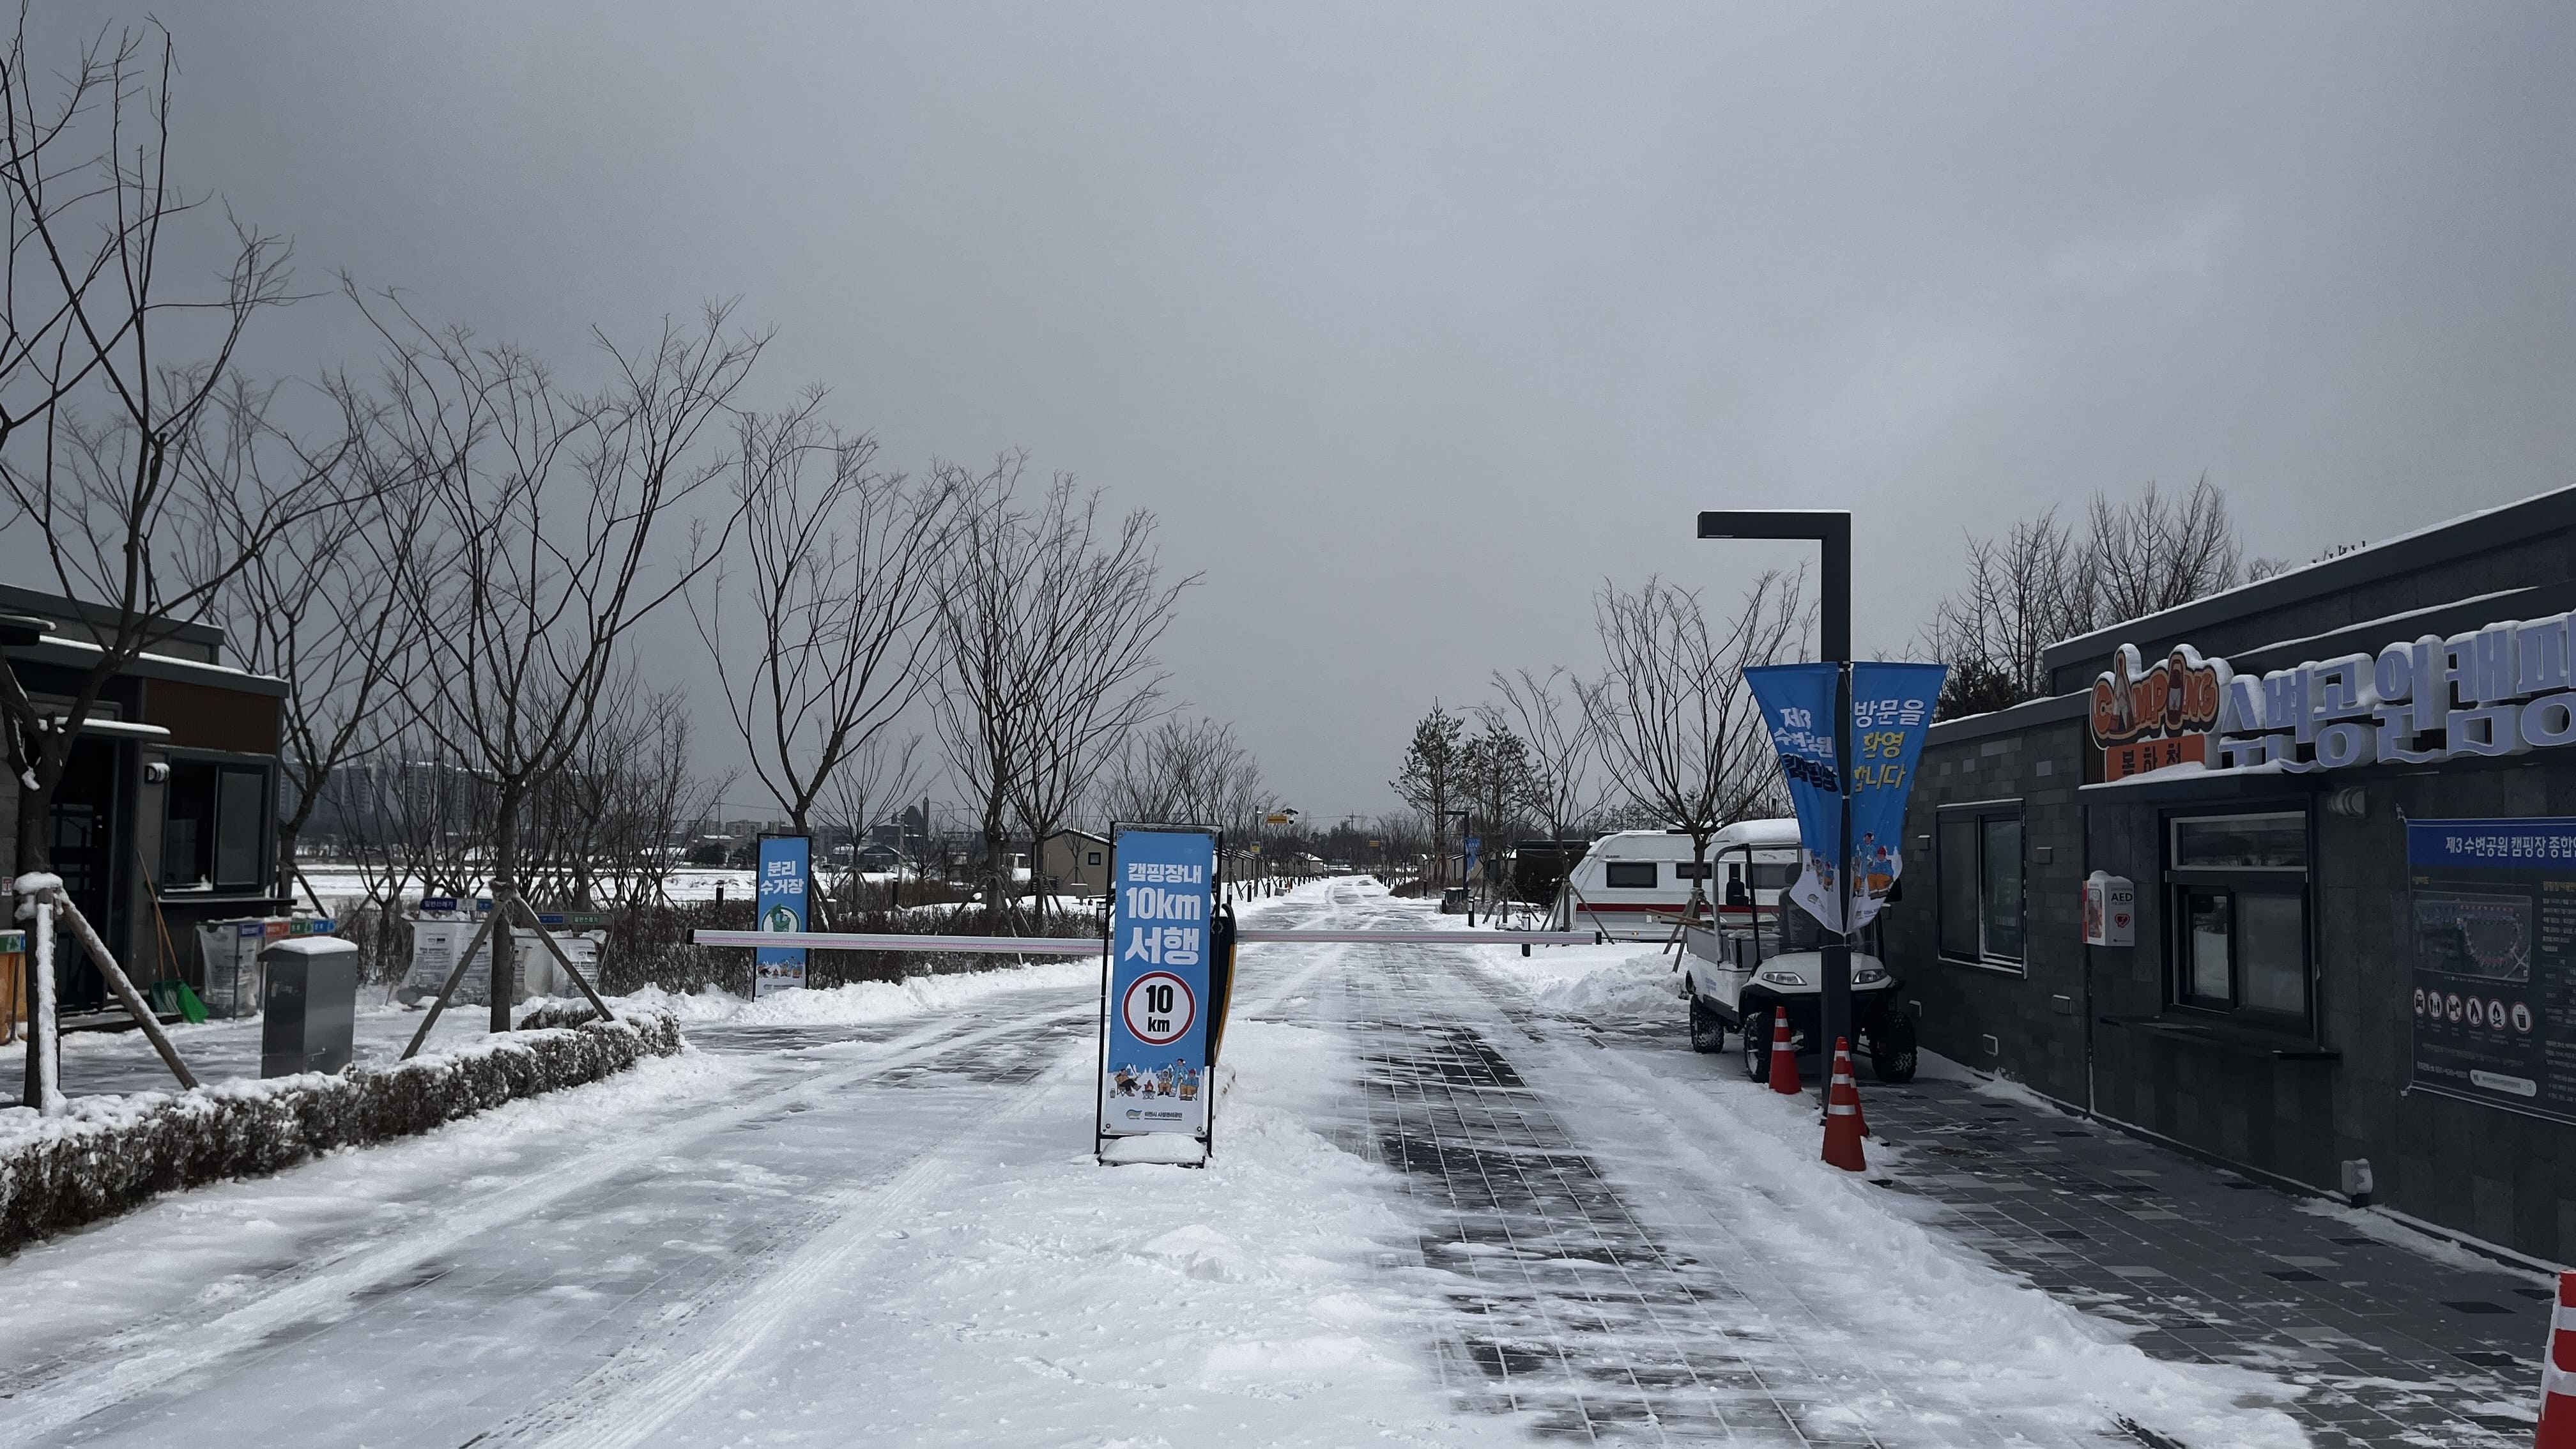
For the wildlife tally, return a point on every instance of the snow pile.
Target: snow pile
(1619, 984)
(113, 1153)
(859, 1002)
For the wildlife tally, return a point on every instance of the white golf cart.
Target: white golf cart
(1766, 955)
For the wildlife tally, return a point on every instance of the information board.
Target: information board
(785, 863)
(2491, 916)
(1156, 1003)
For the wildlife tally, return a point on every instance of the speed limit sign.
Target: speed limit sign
(1160, 1008)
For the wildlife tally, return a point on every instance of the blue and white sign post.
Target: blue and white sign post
(1156, 1002)
(786, 869)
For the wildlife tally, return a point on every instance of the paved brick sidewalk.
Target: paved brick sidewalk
(2396, 1345)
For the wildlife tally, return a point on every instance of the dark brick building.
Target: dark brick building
(2252, 770)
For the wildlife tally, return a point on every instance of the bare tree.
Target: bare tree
(1428, 779)
(874, 782)
(2043, 581)
(1100, 606)
(324, 609)
(1678, 728)
(824, 655)
(987, 712)
(1048, 622)
(1548, 714)
(600, 831)
(1495, 780)
(560, 506)
(1192, 771)
(125, 440)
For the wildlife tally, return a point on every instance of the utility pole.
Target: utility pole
(1832, 529)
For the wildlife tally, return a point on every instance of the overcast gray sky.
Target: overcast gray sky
(1415, 323)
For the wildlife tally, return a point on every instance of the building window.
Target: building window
(1980, 865)
(1093, 858)
(214, 827)
(1629, 875)
(2239, 886)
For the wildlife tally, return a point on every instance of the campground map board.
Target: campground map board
(1154, 1058)
(2491, 918)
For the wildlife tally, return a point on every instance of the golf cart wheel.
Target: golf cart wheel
(1892, 1052)
(1757, 1047)
(1707, 1028)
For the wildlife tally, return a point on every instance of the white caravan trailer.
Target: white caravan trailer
(1630, 886)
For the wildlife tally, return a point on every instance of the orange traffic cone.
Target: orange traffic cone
(1842, 1114)
(2557, 1428)
(1784, 1065)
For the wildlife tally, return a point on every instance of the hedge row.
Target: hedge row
(115, 1153)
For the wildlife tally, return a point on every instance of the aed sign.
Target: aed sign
(1154, 1037)
(2110, 910)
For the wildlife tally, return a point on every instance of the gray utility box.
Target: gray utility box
(309, 1014)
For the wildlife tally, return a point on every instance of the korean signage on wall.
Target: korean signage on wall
(2147, 717)
(785, 868)
(2505, 689)
(1154, 1030)
(2491, 920)
(1891, 712)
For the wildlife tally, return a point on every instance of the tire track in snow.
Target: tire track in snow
(638, 1391)
(106, 1372)
(630, 1398)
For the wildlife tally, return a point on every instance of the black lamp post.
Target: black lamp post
(1832, 529)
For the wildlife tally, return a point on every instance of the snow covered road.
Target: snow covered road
(1444, 1210)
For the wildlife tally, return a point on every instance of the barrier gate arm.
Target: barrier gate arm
(1089, 945)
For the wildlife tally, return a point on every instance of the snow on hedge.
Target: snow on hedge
(111, 1154)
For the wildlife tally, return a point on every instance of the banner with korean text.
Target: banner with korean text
(1891, 713)
(1798, 708)
(786, 863)
(1154, 1052)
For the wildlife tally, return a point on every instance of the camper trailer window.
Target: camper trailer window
(1629, 875)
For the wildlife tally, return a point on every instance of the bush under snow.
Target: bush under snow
(112, 1154)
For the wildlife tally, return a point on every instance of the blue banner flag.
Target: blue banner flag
(1154, 1060)
(1797, 703)
(1891, 713)
(786, 864)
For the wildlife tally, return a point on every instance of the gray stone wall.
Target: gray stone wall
(2026, 1024)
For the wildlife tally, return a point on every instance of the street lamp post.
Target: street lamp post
(1832, 529)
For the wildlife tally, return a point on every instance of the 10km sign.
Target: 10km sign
(1160, 1008)
(1154, 1063)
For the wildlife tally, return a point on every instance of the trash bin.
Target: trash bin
(309, 1009)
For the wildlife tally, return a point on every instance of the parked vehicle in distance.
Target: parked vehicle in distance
(1765, 955)
(1631, 885)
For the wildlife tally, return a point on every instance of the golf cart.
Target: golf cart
(1765, 954)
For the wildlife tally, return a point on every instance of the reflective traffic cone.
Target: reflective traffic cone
(1842, 1114)
(1784, 1065)
(2557, 1428)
